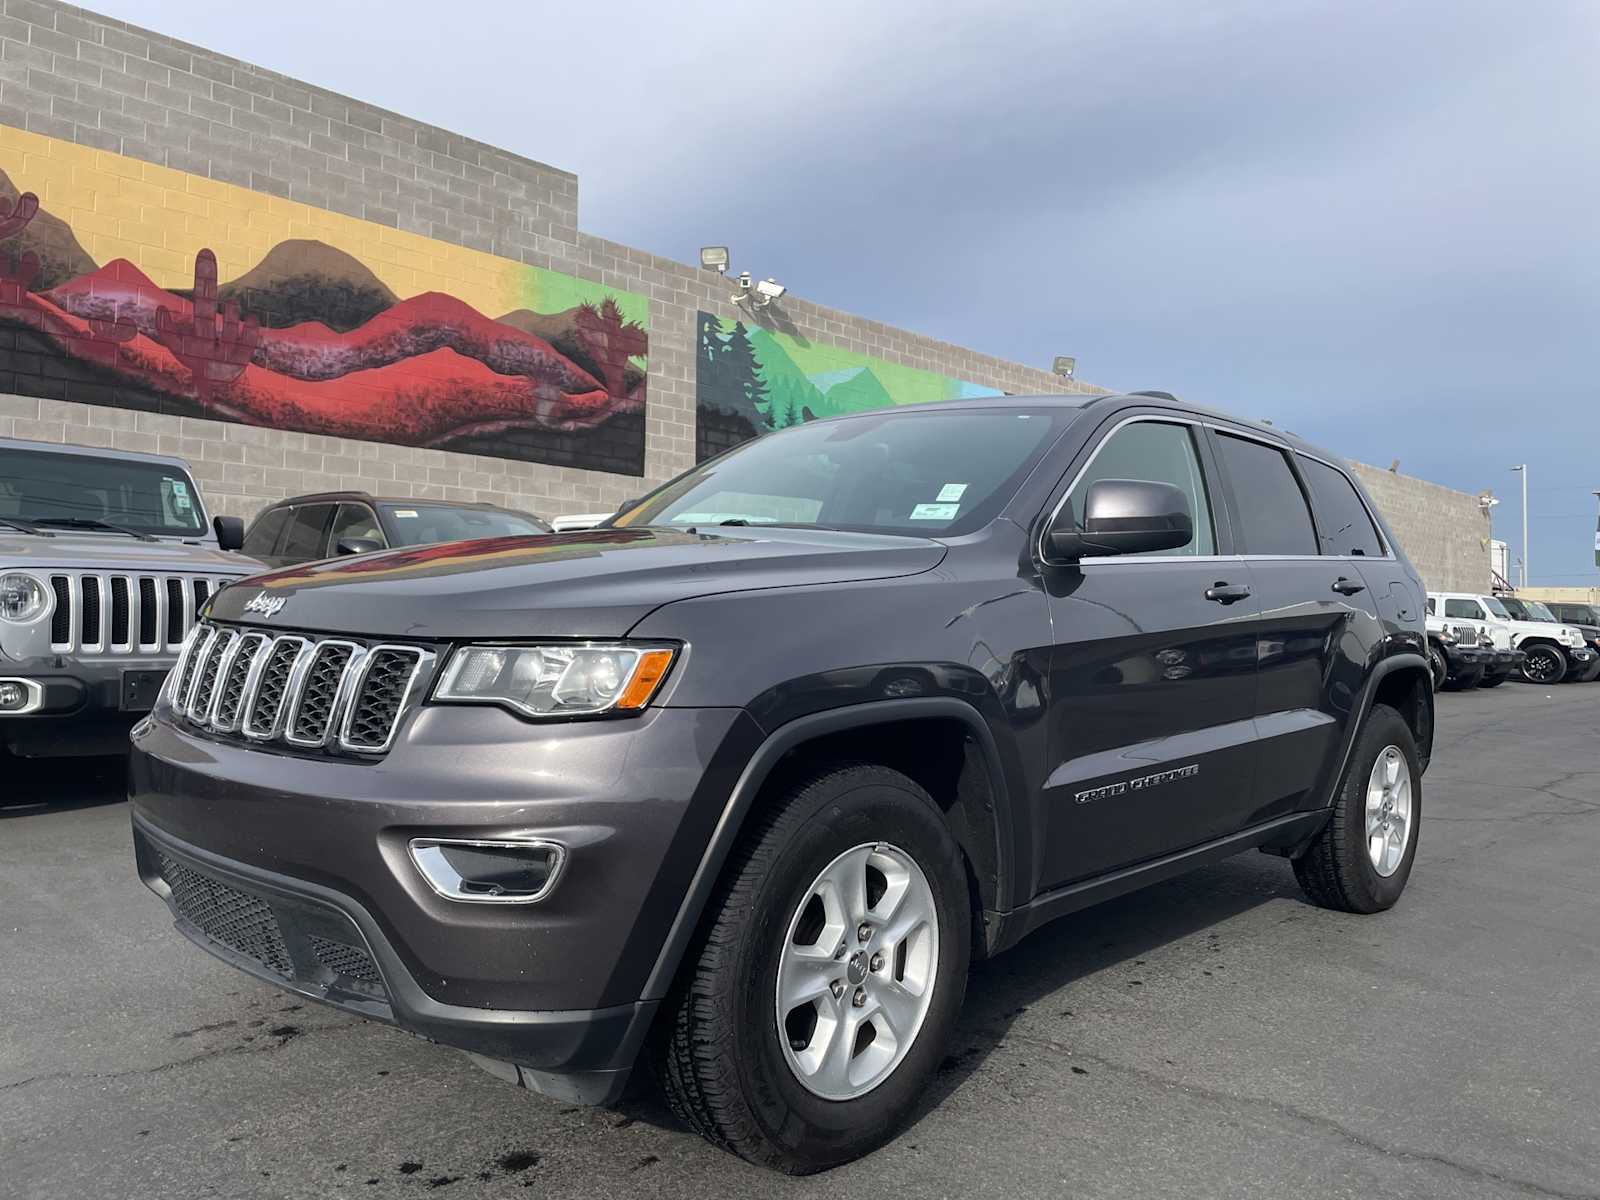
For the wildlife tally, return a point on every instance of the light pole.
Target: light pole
(1523, 468)
(1597, 532)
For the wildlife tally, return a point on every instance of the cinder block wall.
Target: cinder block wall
(1445, 533)
(74, 75)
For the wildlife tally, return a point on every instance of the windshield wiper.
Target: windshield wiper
(92, 523)
(26, 527)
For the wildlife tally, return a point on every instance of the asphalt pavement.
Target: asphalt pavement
(1212, 1036)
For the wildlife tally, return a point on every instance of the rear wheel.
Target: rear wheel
(830, 975)
(1544, 663)
(1362, 858)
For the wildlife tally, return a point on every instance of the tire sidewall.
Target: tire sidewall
(1438, 666)
(826, 1131)
(1384, 728)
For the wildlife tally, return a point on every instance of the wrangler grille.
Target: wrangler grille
(313, 694)
(242, 922)
(125, 613)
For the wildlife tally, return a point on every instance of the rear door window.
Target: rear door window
(1344, 526)
(1273, 518)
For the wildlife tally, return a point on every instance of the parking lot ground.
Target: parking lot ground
(1212, 1036)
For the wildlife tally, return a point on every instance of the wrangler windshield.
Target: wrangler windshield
(922, 472)
(47, 488)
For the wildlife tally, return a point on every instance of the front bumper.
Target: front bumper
(85, 705)
(1504, 662)
(1585, 664)
(313, 849)
(1464, 660)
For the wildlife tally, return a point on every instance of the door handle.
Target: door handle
(1227, 593)
(1346, 586)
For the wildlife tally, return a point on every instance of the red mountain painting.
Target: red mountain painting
(311, 341)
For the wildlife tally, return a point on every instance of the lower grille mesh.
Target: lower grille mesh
(238, 920)
(345, 960)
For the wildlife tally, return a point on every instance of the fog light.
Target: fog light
(501, 871)
(20, 696)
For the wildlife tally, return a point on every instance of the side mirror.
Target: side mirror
(230, 532)
(627, 504)
(357, 546)
(1124, 516)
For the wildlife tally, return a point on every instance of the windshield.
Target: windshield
(421, 524)
(48, 488)
(1538, 612)
(1492, 603)
(923, 472)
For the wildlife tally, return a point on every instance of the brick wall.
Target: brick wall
(1445, 533)
(88, 81)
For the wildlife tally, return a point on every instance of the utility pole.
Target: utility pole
(1523, 468)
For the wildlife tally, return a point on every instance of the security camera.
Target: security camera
(770, 290)
(743, 293)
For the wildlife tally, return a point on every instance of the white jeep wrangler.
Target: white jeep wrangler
(1552, 651)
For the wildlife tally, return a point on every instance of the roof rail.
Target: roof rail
(1157, 395)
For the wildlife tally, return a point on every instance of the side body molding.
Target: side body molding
(760, 767)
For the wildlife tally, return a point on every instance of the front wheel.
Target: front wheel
(1493, 680)
(1362, 858)
(1544, 664)
(829, 978)
(1438, 667)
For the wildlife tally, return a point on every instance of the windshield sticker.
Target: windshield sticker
(179, 487)
(952, 491)
(935, 512)
(405, 512)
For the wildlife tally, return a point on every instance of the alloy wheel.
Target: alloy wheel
(1388, 810)
(1543, 665)
(857, 970)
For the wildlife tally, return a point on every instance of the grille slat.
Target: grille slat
(120, 610)
(313, 710)
(61, 619)
(89, 589)
(149, 618)
(313, 694)
(242, 922)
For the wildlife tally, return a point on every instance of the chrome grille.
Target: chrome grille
(326, 693)
(319, 693)
(125, 613)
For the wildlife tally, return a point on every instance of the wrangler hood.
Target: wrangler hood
(593, 583)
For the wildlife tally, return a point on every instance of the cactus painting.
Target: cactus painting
(341, 334)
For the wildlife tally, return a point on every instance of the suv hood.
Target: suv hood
(116, 552)
(592, 583)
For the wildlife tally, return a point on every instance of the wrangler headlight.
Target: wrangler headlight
(22, 597)
(556, 680)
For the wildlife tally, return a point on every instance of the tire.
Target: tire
(1493, 680)
(1465, 681)
(720, 1053)
(1544, 664)
(1338, 870)
(1438, 667)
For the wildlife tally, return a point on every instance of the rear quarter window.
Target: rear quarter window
(1344, 526)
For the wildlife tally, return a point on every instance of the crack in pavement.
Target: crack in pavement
(1326, 1124)
(265, 1047)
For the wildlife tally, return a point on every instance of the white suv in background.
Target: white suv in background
(1553, 651)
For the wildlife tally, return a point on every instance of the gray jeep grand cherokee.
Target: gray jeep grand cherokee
(741, 782)
(106, 557)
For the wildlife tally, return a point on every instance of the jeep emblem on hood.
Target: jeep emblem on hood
(265, 605)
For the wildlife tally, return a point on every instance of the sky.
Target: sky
(1375, 224)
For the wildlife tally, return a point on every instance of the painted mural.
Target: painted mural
(127, 284)
(750, 381)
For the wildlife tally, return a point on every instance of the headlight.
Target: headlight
(1445, 636)
(556, 680)
(22, 597)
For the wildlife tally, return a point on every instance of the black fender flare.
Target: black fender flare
(1384, 667)
(756, 772)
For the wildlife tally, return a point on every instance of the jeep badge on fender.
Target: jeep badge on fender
(751, 774)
